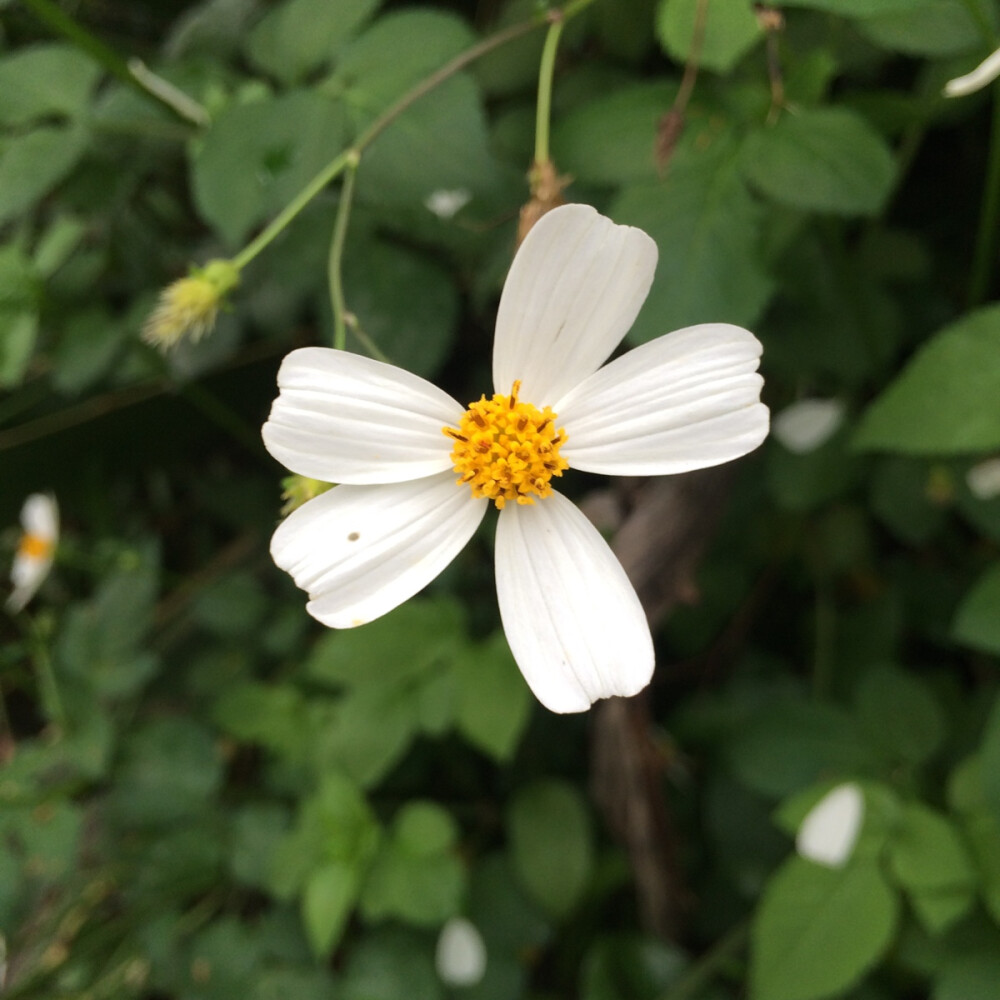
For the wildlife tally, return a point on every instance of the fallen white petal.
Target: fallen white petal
(460, 956)
(444, 204)
(830, 830)
(574, 289)
(362, 550)
(687, 400)
(983, 479)
(36, 553)
(344, 418)
(808, 424)
(986, 72)
(573, 622)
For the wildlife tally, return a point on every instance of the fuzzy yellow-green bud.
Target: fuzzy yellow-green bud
(189, 307)
(297, 490)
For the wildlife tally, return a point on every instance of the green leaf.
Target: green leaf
(551, 844)
(933, 28)
(612, 139)
(299, 36)
(396, 52)
(41, 81)
(900, 716)
(258, 828)
(977, 621)
(967, 795)
(818, 930)
(391, 964)
(494, 701)
(940, 909)
(789, 744)
(970, 976)
(629, 967)
(821, 160)
(927, 852)
(327, 900)
(272, 715)
(858, 8)
(730, 31)
(707, 227)
(90, 343)
(31, 165)
(256, 157)
(989, 756)
(408, 304)
(902, 501)
(416, 877)
(947, 399)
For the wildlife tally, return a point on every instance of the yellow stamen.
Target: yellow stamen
(504, 449)
(34, 547)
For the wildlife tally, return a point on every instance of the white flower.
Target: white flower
(444, 204)
(460, 956)
(983, 479)
(33, 559)
(808, 423)
(830, 830)
(986, 72)
(684, 401)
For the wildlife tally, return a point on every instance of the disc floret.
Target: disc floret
(507, 450)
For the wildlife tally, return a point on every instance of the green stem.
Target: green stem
(47, 685)
(702, 972)
(984, 259)
(367, 343)
(546, 69)
(337, 255)
(377, 127)
(163, 93)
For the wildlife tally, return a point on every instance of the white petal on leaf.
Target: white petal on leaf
(983, 479)
(807, 424)
(573, 622)
(344, 418)
(460, 956)
(985, 73)
(360, 551)
(687, 400)
(830, 830)
(574, 289)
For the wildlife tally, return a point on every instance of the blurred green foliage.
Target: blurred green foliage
(205, 796)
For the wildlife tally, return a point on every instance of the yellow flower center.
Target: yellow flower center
(507, 450)
(34, 547)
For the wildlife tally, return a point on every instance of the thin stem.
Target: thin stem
(702, 972)
(365, 340)
(546, 70)
(60, 22)
(377, 127)
(984, 259)
(337, 254)
(47, 684)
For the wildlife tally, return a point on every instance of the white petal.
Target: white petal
(460, 956)
(807, 424)
(830, 830)
(344, 418)
(27, 574)
(362, 550)
(574, 289)
(983, 479)
(684, 401)
(40, 516)
(573, 622)
(986, 72)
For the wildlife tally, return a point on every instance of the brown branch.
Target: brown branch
(660, 542)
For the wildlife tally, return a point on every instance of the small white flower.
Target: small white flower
(445, 204)
(986, 72)
(685, 401)
(983, 479)
(460, 956)
(807, 424)
(33, 559)
(830, 830)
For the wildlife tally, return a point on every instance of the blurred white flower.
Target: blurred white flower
(460, 956)
(445, 204)
(986, 72)
(33, 559)
(418, 470)
(807, 424)
(983, 479)
(830, 830)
